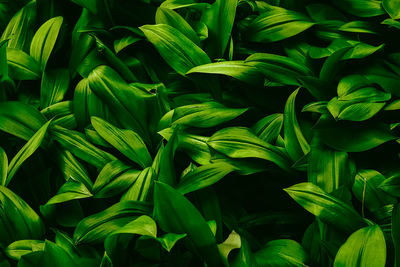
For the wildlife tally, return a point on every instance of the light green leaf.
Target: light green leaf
(295, 142)
(44, 40)
(269, 127)
(141, 186)
(127, 142)
(365, 247)
(69, 191)
(176, 49)
(240, 142)
(21, 66)
(392, 7)
(21, 247)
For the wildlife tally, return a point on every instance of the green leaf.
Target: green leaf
(219, 19)
(295, 142)
(326, 207)
(55, 84)
(279, 69)
(20, 28)
(233, 241)
(91, 5)
(176, 214)
(282, 252)
(26, 151)
(127, 142)
(141, 186)
(204, 176)
(236, 69)
(396, 230)
(114, 178)
(97, 227)
(21, 66)
(118, 95)
(18, 220)
(44, 40)
(269, 127)
(170, 17)
(3, 165)
(362, 8)
(19, 248)
(353, 136)
(365, 247)
(366, 190)
(391, 185)
(20, 119)
(392, 7)
(240, 142)
(69, 191)
(277, 24)
(176, 49)
(205, 115)
(328, 168)
(80, 147)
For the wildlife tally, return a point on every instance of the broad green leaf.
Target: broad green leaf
(295, 142)
(55, 84)
(26, 151)
(365, 247)
(141, 186)
(361, 8)
(391, 185)
(205, 115)
(20, 28)
(176, 49)
(166, 164)
(21, 66)
(282, 252)
(72, 168)
(279, 69)
(392, 7)
(269, 127)
(236, 69)
(127, 142)
(18, 220)
(20, 119)
(204, 176)
(328, 168)
(366, 190)
(194, 145)
(219, 19)
(353, 136)
(240, 142)
(353, 111)
(114, 178)
(109, 86)
(277, 24)
(326, 207)
(69, 191)
(173, 19)
(80, 147)
(44, 40)
(176, 214)
(97, 227)
(21, 247)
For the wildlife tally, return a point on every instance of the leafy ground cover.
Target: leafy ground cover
(199, 133)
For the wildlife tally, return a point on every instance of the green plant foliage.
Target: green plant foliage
(199, 133)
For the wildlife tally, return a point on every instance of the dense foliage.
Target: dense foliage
(199, 133)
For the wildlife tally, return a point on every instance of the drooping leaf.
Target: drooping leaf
(326, 207)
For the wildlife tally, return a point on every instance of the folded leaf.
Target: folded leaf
(21, 66)
(69, 191)
(44, 40)
(19, 248)
(55, 84)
